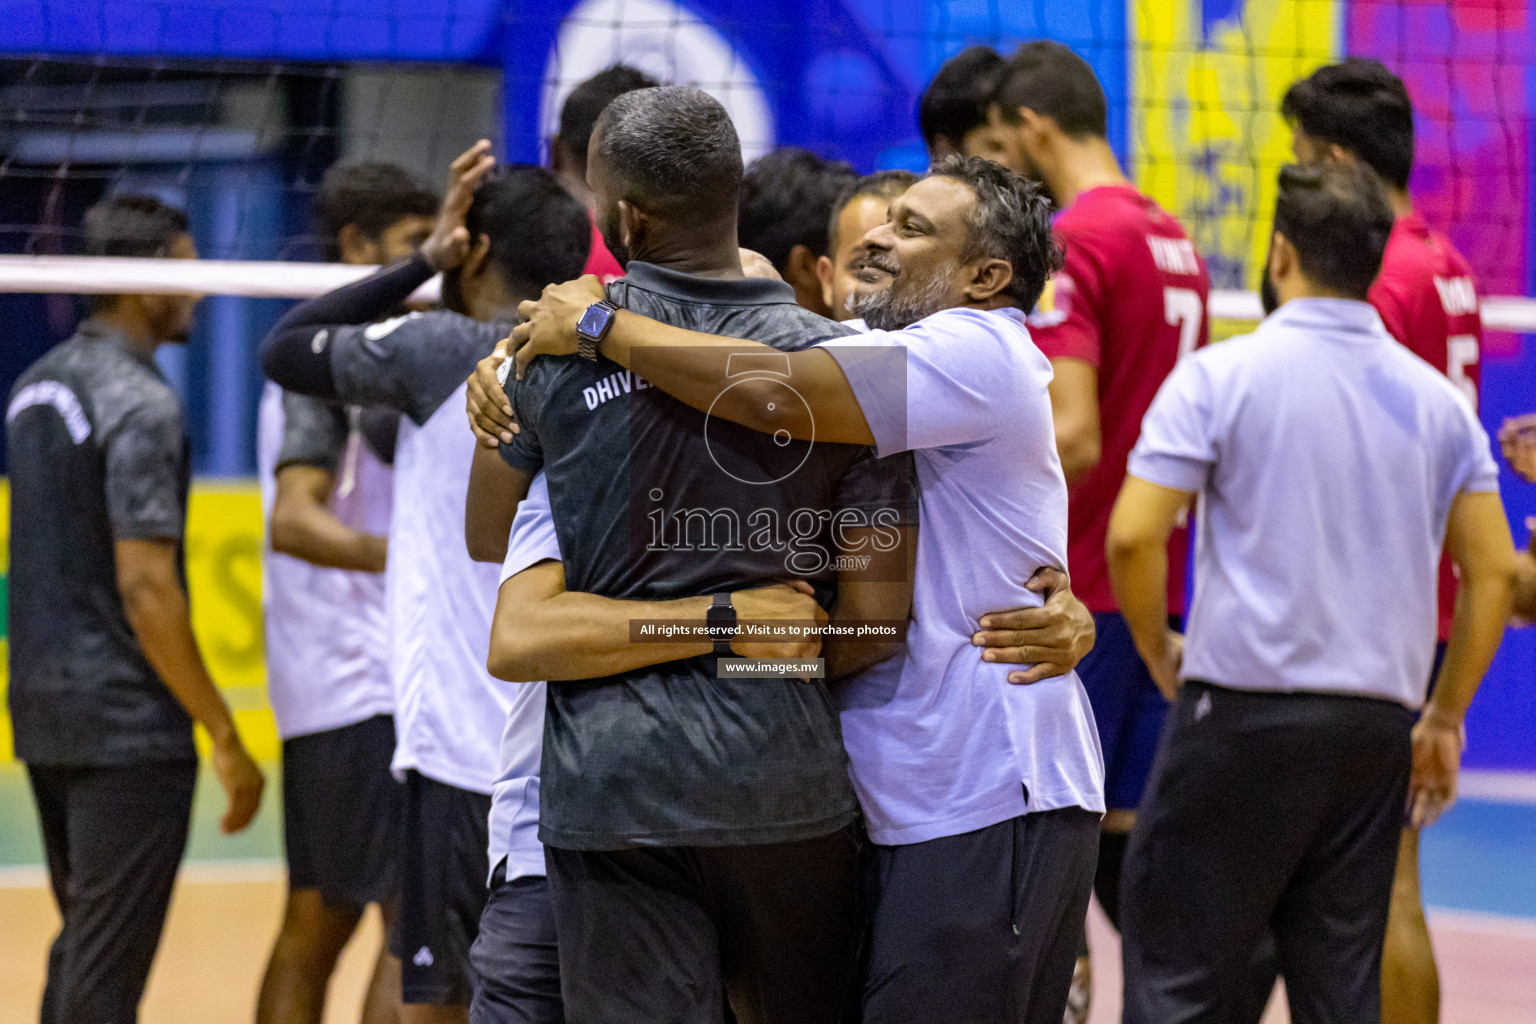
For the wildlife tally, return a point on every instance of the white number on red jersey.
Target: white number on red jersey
(1461, 353)
(1183, 308)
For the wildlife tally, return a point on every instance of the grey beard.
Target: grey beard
(892, 310)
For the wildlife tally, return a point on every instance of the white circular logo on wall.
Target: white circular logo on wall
(668, 42)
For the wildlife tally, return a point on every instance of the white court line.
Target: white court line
(1502, 925)
(1498, 787)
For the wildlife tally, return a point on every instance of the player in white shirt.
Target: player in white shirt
(498, 239)
(326, 494)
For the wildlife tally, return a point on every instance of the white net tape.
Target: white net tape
(120, 275)
(269, 279)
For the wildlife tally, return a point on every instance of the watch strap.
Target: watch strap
(593, 327)
(722, 623)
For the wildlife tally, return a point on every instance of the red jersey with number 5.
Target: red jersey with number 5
(1130, 301)
(1427, 298)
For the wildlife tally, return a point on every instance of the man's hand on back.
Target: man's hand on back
(548, 328)
(489, 409)
(787, 603)
(549, 325)
(1052, 638)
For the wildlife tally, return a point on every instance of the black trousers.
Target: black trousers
(515, 956)
(980, 928)
(1265, 812)
(114, 838)
(664, 934)
(1266, 967)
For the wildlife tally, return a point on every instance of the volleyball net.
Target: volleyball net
(234, 109)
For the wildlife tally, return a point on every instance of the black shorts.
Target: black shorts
(341, 813)
(983, 926)
(515, 956)
(443, 866)
(665, 934)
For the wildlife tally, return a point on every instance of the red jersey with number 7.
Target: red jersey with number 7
(1130, 300)
(1427, 298)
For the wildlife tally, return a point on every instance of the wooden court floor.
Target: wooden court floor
(223, 919)
(211, 957)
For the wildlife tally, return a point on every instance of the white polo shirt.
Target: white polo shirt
(514, 823)
(939, 741)
(1326, 457)
(327, 645)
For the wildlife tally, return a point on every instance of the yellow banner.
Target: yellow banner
(1207, 138)
(224, 545)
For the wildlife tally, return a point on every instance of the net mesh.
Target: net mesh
(234, 111)
(1194, 90)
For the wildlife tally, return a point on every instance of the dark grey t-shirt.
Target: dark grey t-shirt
(97, 454)
(652, 501)
(411, 363)
(315, 433)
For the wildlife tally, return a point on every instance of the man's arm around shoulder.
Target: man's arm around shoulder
(697, 368)
(541, 631)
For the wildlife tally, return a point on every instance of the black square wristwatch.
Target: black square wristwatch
(721, 623)
(592, 327)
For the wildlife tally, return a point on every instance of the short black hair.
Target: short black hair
(1051, 80)
(371, 195)
(1337, 217)
(1360, 105)
(1010, 221)
(131, 225)
(540, 234)
(786, 200)
(586, 103)
(674, 152)
(957, 99)
(885, 185)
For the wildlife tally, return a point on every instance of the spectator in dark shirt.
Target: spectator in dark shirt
(106, 678)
